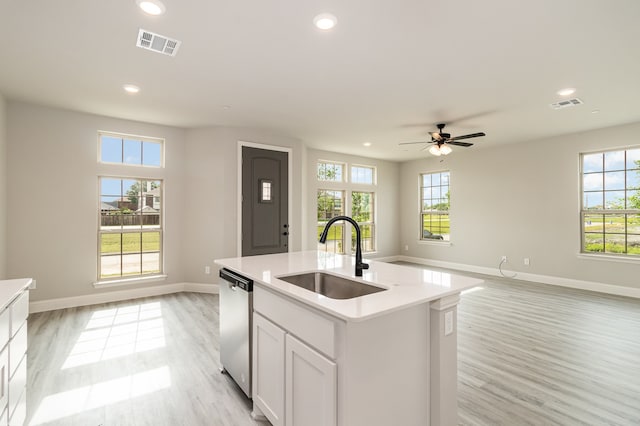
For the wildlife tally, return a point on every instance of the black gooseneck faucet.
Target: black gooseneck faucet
(323, 239)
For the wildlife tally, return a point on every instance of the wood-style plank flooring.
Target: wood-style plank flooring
(529, 354)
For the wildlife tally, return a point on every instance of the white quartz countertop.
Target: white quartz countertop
(9, 289)
(406, 286)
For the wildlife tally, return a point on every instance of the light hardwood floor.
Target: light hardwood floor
(529, 354)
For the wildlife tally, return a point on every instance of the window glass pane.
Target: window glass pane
(593, 200)
(110, 266)
(112, 187)
(132, 152)
(593, 182)
(594, 223)
(435, 179)
(614, 224)
(592, 163)
(633, 159)
(151, 153)
(633, 179)
(614, 160)
(361, 174)
(633, 199)
(150, 263)
(110, 149)
(614, 180)
(110, 215)
(633, 244)
(330, 171)
(426, 180)
(614, 200)
(614, 243)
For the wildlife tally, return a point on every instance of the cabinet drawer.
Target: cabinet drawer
(4, 379)
(5, 327)
(17, 386)
(17, 349)
(19, 312)
(298, 320)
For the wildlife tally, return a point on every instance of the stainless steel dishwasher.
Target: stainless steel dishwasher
(236, 307)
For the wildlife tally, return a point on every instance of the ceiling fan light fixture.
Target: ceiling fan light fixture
(435, 150)
(445, 149)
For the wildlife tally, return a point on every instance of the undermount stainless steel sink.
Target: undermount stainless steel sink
(330, 285)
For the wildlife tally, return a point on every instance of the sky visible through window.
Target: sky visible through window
(130, 151)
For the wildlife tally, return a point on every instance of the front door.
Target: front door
(265, 195)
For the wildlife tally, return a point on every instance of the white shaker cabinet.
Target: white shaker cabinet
(268, 369)
(13, 351)
(310, 396)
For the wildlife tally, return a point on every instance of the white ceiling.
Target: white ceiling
(387, 73)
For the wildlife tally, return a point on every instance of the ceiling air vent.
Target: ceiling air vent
(157, 43)
(566, 103)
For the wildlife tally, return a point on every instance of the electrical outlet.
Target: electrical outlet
(503, 259)
(448, 323)
(207, 270)
(526, 261)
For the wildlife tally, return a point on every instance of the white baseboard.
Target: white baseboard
(116, 296)
(617, 290)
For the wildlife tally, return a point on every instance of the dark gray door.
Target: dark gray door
(265, 221)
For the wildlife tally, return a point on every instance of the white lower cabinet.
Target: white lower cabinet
(268, 369)
(293, 384)
(310, 387)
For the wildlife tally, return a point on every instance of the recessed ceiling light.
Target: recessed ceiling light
(595, 111)
(566, 92)
(131, 88)
(151, 7)
(325, 21)
(367, 144)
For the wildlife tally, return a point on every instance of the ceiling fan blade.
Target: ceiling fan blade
(459, 143)
(411, 143)
(436, 136)
(472, 135)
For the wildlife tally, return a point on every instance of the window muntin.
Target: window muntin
(363, 174)
(362, 211)
(130, 229)
(330, 172)
(331, 204)
(610, 210)
(130, 150)
(434, 207)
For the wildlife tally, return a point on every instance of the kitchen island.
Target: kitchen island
(389, 357)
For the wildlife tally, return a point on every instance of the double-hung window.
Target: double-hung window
(610, 210)
(130, 230)
(435, 203)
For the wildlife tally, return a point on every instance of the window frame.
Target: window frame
(138, 230)
(335, 226)
(603, 211)
(141, 139)
(422, 212)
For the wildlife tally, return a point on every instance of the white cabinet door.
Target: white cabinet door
(311, 386)
(268, 369)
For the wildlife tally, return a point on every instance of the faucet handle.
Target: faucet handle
(364, 265)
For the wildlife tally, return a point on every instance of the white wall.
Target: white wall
(519, 200)
(3, 188)
(387, 212)
(53, 196)
(211, 195)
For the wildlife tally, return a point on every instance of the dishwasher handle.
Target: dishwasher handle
(236, 280)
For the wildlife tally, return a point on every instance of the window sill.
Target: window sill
(435, 243)
(609, 258)
(129, 281)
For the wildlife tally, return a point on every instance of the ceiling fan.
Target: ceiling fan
(442, 140)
